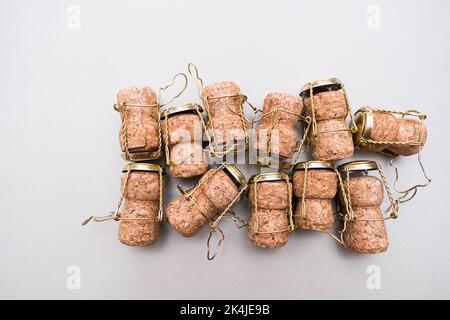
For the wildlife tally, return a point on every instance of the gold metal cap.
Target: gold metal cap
(180, 109)
(314, 165)
(270, 176)
(361, 165)
(142, 156)
(235, 173)
(153, 167)
(364, 125)
(333, 83)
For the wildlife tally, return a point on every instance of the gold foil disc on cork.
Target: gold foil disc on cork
(190, 107)
(271, 176)
(331, 84)
(235, 173)
(314, 165)
(151, 167)
(361, 165)
(364, 124)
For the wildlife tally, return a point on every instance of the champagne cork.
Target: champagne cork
(187, 160)
(271, 194)
(327, 105)
(223, 104)
(330, 134)
(366, 232)
(289, 108)
(139, 225)
(314, 209)
(409, 130)
(219, 188)
(269, 222)
(140, 117)
(365, 191)
(319, 214)
(188, 215)
(142, 228)
(183, 124)
(182, 133)
(376, 126)
(216, 190)
(380, 130)
(333, 141)
(276, 134)
(281, 141)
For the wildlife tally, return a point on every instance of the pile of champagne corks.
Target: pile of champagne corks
(315, 194)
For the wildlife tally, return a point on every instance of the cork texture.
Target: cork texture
(409, 130)
(320, 183)
(321, 188)
(223, 106)
(366, 236)
(285, 102)
(141, 200)
(188, 216)
(139, 232)
(271, 195)
(318, 214)
(384, 128)
(219, 189)
(141, 122)
(365, 191)
(282, 143)
(270, 222)
(187, 160)
(281, 127)
(224, 112)
(331, 142)
(211, 197)
(182, 128)
(327, 105)
(142, 185)
(226, 132)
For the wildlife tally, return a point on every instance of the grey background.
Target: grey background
(60, 155)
